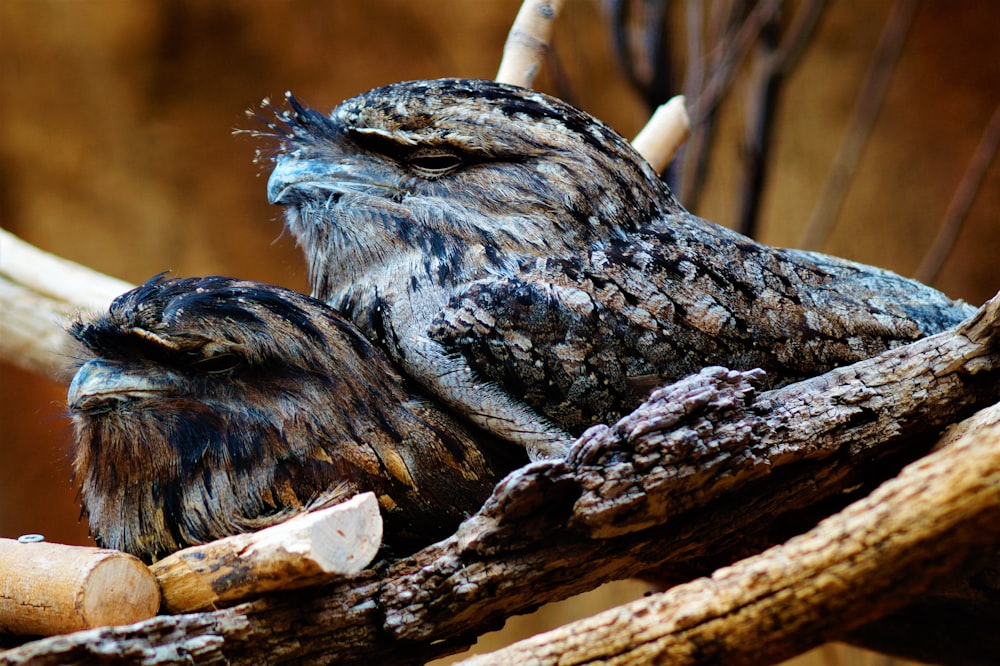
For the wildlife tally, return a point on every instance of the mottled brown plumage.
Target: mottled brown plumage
(211, 406)
(518, 258)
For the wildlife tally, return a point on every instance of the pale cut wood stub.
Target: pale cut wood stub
(664, 134)
(305, 550)
(528, 42)
(48, 588)
(873, 556)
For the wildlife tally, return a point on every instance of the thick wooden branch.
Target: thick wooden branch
(955, 621)
(722, 471)
(875, 555)
(38, 292)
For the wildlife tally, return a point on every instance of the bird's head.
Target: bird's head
(209, 406)
(451, 169)
(190, 395)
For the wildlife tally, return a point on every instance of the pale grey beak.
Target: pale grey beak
(100, 382)
(295, 180)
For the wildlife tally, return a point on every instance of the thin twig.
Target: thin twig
(961, 202)
(774, 60)
(638, 39)
(859, 125)
(734, 49)
(739, 48)
(798, 34)
(764, 84)
(528, 42)
(721, 25)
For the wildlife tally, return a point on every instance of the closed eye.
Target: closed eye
(434, 162)
(218, 364)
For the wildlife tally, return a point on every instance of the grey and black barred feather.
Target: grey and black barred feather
(518, 258)
(584, 340)
(211, 406)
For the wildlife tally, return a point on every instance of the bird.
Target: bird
(210, 406)
(519, 259)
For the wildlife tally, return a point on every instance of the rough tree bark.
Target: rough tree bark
(772, 606)
(707, 471)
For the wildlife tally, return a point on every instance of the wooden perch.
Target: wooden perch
(528, 42)
(306, 550)
(956, 619)
(873, 556)
(664, 134)
(705, 473)
(48, 588)
(38, 292)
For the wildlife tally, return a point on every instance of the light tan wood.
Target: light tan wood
(48, 588)
(33, 331)
(528, 42)
(55, 277)
(304, 550)
(39, 293)
(664, 134)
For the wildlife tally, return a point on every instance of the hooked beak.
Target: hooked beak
(100, 383)
(296, 180)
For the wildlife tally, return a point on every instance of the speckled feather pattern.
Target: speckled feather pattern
(521, 261)
(210, 406)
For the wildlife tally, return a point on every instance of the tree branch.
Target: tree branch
(816, 587)
(38, 292)
(707, 470)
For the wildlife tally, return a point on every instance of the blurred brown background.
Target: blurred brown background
(116, 151)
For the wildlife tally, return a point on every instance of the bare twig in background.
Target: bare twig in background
(718, 42)
(639, 40)
(722, 24)
(741, 43)
(528, 42)
(961, 202)
(859, 125)
(734, 41)
(763, 81)
(772, 62)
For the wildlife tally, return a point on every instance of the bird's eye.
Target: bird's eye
(217, 364)
(434, 162)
